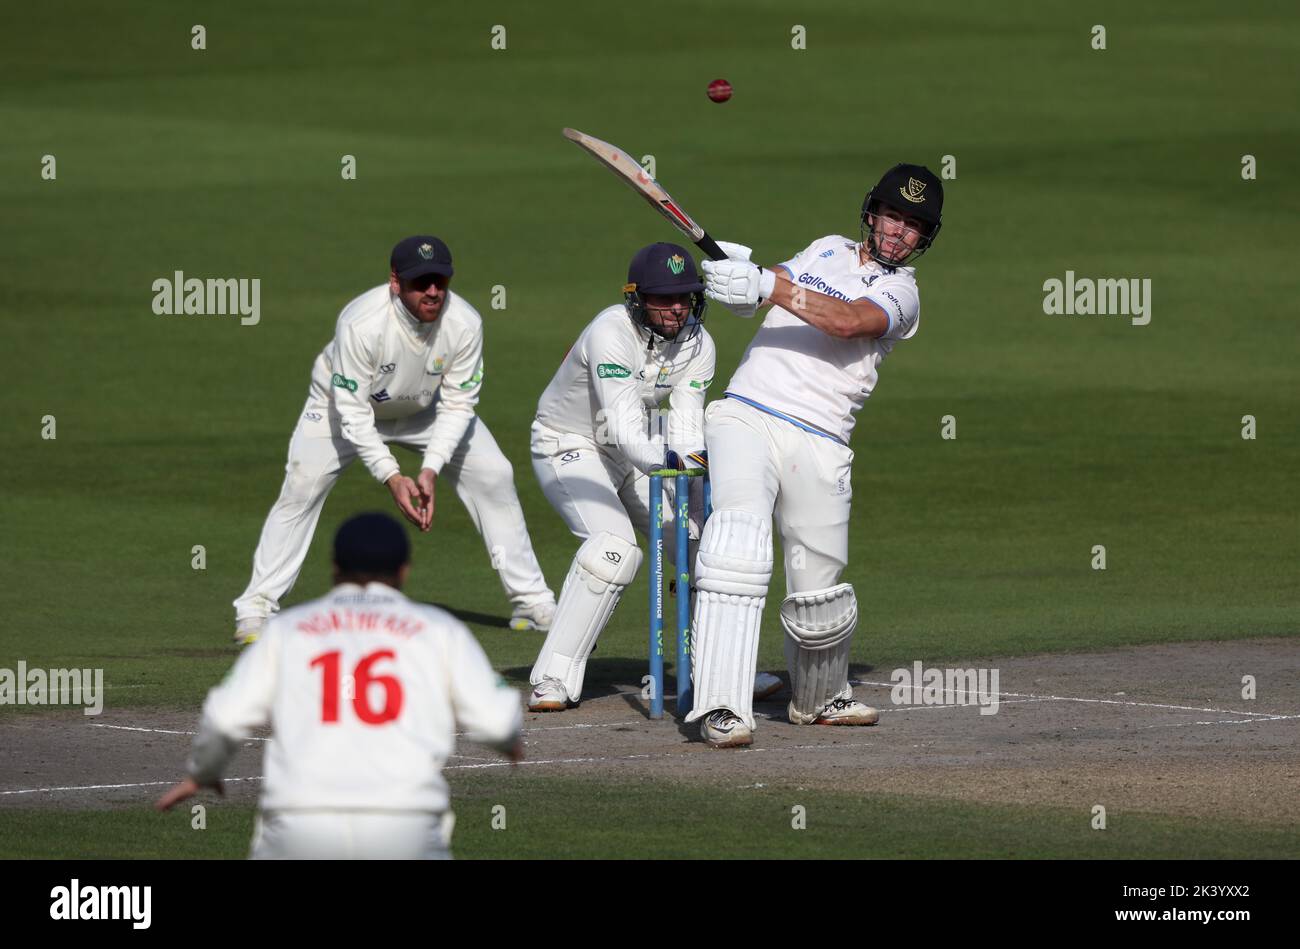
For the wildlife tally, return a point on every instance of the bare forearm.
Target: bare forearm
(833, 317)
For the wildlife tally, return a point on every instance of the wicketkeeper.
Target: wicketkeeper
(599, 432)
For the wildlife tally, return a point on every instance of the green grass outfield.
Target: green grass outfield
(1072, 431)
(567, 818)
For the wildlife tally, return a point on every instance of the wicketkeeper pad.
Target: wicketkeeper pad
(601, 570)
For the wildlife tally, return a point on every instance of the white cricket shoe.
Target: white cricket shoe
(766, 685)
(248, 629)
(549, 695)
(848, 712)
(538, 617)
(723, 728)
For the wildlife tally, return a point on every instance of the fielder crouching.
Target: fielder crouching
(597, 437)
(364, 691)
(779, 446)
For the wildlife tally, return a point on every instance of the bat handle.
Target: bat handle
(710, 247)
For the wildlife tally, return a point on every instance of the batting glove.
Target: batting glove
(738, 285)
(735, 251)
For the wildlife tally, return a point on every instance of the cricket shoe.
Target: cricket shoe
(538, 617)
(549, 695)
(248, 629)
(847, 712)
(766, 685)
(723, 728)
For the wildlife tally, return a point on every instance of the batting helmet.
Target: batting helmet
(914, 191)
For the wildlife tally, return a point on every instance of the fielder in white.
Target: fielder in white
(779, 445)
(597, 436)
(364, 691)
(405, 367)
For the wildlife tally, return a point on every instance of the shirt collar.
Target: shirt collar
(421, 331)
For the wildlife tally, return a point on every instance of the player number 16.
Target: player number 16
(392, 707)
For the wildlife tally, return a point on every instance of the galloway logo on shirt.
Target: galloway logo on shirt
(821, 286)
(381, 396)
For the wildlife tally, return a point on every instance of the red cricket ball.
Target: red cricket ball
(719, 90)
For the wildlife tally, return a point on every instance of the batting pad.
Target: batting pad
(733, 569)
(819, 634)
(601, 570)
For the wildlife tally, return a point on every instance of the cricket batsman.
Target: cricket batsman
(779, 446)
(598, 434)
(405, 367)
(364, 692)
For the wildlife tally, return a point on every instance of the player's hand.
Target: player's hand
(738, 285)
(407, 496)
(735, 251)
(425, 481)
(183, 792)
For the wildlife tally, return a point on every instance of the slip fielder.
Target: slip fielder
(598, 434)
(405, 367)
(779, 447)
(364, 691)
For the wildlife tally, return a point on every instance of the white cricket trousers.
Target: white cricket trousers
(591, 487)
(318, 454)
(351, 835)
(770, 468)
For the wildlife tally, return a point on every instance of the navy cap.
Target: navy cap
(371, 543)
(419, 256)
(664, 268)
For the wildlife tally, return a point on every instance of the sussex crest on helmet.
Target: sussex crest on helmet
(913, 191)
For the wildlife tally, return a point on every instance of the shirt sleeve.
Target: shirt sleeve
(354, 366)
(799, 260)
(621, 418)
(686, 418)
(234, 708)
(457, 396)
(902, 304)
(484, 706)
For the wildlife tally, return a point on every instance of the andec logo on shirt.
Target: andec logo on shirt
(343, 382)
(611, 370)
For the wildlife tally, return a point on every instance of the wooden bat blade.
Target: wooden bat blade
(630, 172)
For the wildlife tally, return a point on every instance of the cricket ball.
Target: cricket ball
(719, 90)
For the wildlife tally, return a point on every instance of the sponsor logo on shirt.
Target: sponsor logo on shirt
(388, 367)
(612, 370)
(475, 379)
(872, 279)
(894, 300)
(569, 456)
(312, 416)
(827, 253)
(343, 382)
(821, 286)
(381, 396)
(696, 384)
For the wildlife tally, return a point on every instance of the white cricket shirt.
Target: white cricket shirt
(616, 374)
(814, 378)
(364, 691)
(385, 364)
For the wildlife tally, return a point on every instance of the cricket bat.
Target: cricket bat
(629, 170)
